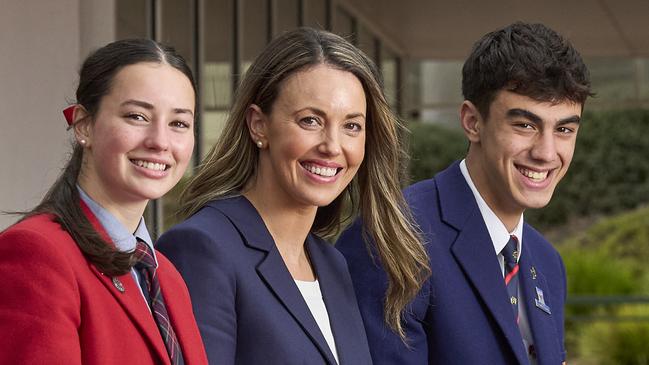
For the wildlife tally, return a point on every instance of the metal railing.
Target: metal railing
(606, 301)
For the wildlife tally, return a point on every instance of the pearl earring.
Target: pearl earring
(83, 142)
(260, 144)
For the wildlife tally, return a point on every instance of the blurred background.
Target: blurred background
(598, 219)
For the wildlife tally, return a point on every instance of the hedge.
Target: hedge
(609, 258)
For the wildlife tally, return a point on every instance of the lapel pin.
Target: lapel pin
(118, 284)
(533, 272)
(540, 301)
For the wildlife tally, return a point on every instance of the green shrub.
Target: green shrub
(621, 343)
(592, 271)
(607, 259)
(433, 148)
(623, 238)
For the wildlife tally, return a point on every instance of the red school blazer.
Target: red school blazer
(57, 308)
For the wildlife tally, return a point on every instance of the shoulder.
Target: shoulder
(209, 225)
(39, 249)
(170, 277)
(206, 241)
(421, 189)
(41, 225)
(39, 237)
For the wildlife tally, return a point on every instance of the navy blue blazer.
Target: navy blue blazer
(462, 315)
(247, 306)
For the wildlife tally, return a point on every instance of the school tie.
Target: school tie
(510, 254)
(146, 265)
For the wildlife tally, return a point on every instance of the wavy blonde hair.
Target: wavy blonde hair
(375, 191)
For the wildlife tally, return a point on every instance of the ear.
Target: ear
(82, 126)
(471, 121)
(257, 125)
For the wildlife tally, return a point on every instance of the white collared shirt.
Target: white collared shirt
(499, 238)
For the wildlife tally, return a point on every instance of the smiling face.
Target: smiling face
(521, 152)
(141, 139)
(313, 138)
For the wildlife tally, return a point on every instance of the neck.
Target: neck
(509, 215)
(289, 225)
(127, 213)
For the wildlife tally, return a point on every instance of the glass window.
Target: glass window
(315, 14)
(642, 70)
(217, 69)
(390, 71)
(177, 27)
(344, 24)
(441, 93)
(254, 27)
(613, 79)
(286, 15)
(365, 41)
(132, 19)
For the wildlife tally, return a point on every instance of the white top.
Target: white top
(312, 295)
(499, 238)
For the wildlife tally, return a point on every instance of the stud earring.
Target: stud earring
(83, 142)
(260, 144)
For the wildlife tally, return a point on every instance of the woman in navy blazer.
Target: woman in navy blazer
(310, 131)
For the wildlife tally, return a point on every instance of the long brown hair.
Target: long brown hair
(63, 200)
(375, 191)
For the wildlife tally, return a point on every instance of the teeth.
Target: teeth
(536, 176)
(322, 171)
(150, 165)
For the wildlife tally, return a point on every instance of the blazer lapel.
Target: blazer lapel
(538, 308)
(127, 293)
(133, 304)
(474, 252)
(344, 317)
(272, 269)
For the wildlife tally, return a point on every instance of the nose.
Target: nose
(330, 144)
(544, 148)
(157, 137)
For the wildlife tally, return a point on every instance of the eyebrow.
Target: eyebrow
(150, 106)
(322, 113)
(516, 112)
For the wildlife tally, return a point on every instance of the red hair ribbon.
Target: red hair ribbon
(69, 113)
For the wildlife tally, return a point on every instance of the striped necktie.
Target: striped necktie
(510, 254)
(147, 267)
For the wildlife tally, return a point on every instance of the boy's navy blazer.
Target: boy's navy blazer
(462, 315)
(248, 307)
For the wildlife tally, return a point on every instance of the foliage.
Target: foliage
(433, 148)
(622, 343)
(608, 259)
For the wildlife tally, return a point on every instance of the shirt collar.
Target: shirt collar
(497, 230)
(124, 240)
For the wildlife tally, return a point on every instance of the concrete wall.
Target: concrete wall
(42, 44)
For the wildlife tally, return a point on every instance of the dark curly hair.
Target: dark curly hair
(528, 59)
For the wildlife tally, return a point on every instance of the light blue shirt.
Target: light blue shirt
(124, 240)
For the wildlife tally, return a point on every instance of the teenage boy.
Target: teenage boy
(497, 289)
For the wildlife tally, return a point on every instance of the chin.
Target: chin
(536, 203)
